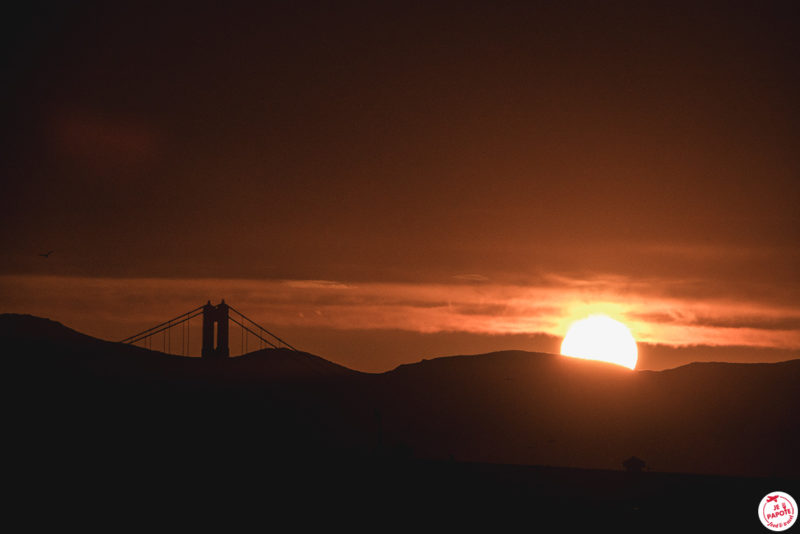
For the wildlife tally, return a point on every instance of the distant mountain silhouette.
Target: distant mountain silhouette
(294, 417)
(505, 407)
(530, 408)
(47, 342)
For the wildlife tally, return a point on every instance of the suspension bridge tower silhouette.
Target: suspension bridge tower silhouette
(215, 334)
(215, 331)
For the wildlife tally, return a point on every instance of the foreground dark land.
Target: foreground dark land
(100, 429)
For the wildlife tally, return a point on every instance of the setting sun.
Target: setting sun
(599, 337)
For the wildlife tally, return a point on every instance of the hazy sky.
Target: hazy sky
(471, 173)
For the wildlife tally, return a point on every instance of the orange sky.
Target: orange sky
(524, 317)
(462, 176)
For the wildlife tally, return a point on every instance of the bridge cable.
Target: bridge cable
(260, 327)
(255, 334)
(126, 340)
(149, 334)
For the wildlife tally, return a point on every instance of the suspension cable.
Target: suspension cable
(146, 336)
(127, 339)
(255, 334)
(167, 325)
(260, 327)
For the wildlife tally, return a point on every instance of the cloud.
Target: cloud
(113, 308)
(471, 277)
(758, 322)
(316, 284)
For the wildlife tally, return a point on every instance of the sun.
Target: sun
(599, 337)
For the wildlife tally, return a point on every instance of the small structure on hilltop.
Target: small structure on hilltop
(633, 465)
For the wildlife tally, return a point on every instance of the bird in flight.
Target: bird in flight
(47, 254)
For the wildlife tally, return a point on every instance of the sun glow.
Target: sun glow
(599, 337)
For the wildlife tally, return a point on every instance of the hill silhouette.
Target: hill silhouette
(452, 429)
(531, 408)
(48, 344)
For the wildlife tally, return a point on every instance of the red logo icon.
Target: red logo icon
(777, 511)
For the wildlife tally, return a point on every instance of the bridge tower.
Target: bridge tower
(215, 321)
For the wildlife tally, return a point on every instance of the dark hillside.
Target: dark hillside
(460, 434)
